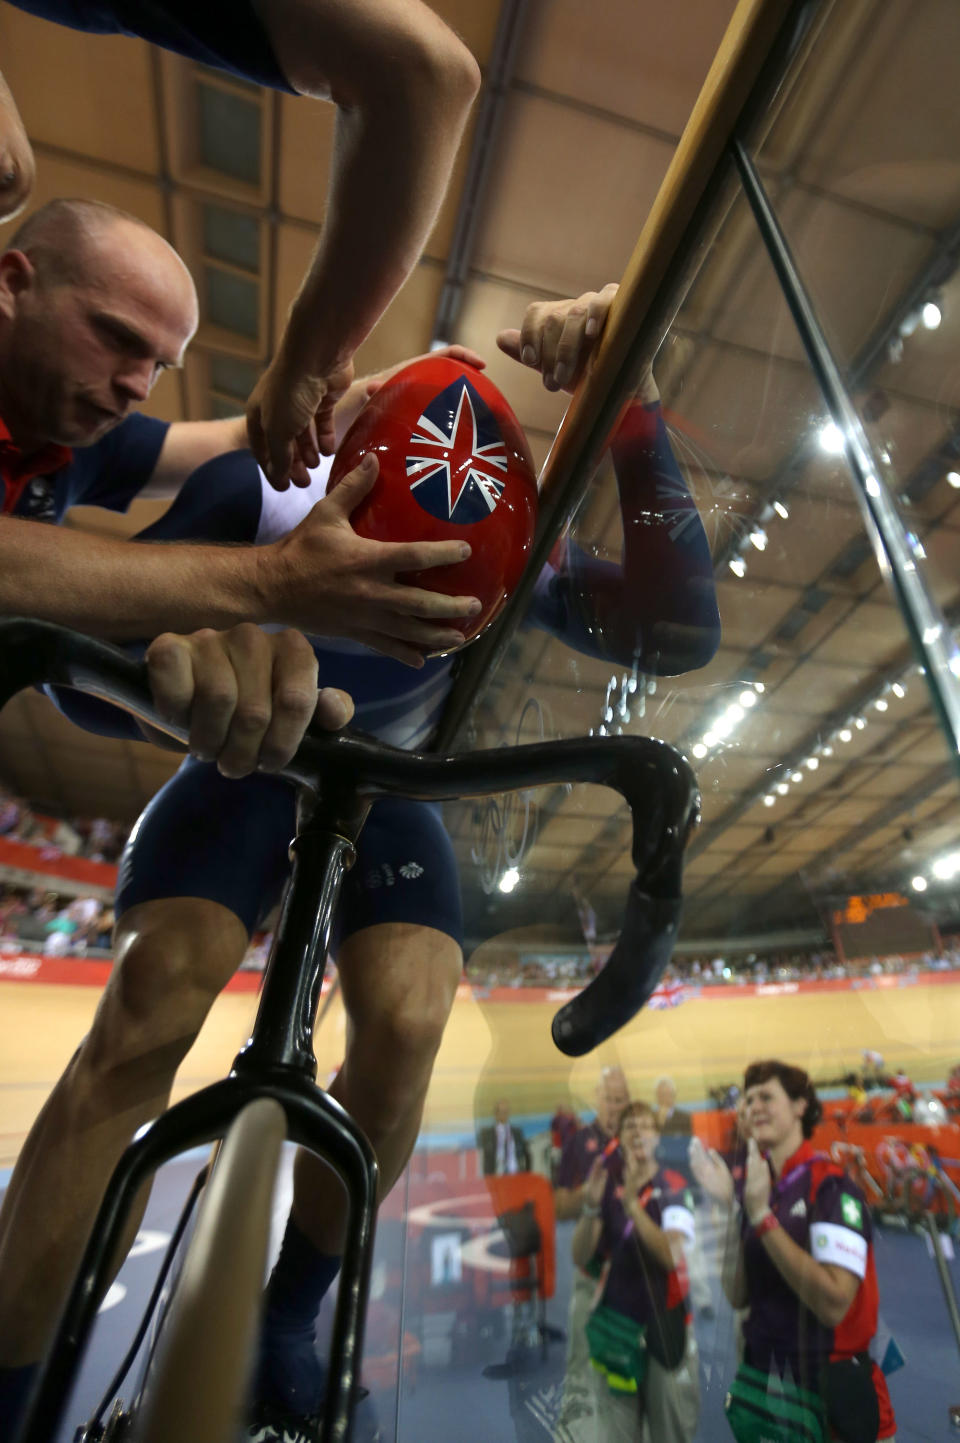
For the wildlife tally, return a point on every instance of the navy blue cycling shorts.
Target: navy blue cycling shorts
(227, 34)
(226, 841)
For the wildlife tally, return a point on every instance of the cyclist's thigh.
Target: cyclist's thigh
(205, 836)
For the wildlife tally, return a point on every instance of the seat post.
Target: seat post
(321, 855)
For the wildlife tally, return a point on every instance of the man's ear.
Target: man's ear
(17, 275)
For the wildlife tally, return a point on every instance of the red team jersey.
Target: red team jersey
(824, 1212)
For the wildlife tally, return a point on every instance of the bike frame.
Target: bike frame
(338, 777)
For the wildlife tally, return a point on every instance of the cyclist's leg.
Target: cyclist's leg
(175, 950)
(400, 962)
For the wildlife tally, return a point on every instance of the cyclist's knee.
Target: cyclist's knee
(172, 959)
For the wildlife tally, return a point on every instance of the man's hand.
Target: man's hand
(595, 1183)
(246, 695)
(352, 403)
(290, 419)
(325, 579)
(557, 337)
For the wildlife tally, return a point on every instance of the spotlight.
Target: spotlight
(845, 734)
(931, 315)
(831, 439)
(782, 788)
(881, 703)
(734, 712)
(919, 884)
(796, 776)
(781, 510)
(953, 479)
(899, 689)
(699, 751)
(758, 539)
(748, 699)
(738, 566)
(812, 763)
(827, 751)
(769, 800)
(860, 722)
(759, 688)
(710, 739)
(509, 879)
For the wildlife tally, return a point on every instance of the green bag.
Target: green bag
(765, 1408)
(618, 1348)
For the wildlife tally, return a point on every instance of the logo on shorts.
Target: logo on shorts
(411, 870)
(851, 1210)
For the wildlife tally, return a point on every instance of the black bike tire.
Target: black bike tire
(198, 1381)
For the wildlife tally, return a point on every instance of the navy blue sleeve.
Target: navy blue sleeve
(658, 606)
(114, 471)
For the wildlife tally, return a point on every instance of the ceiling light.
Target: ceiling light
(509, 879)
(699, 751)
(758, 538)
(831, 439)
(946, 868)
(796, 776)
(759, 687)
(748, 699)
(710, 739)
(953, 479)
(881, 703)
(827, 751)
(812, 763)
(738, 566)
(931, 635)
(931, 315)
(722, 727)
(782, 788)
(734, 712)
(899, 689)
(845, 734)
(860, 722)
(919, 884)
(769, 800)
(782, 511)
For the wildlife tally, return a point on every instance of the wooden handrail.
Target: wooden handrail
(634, 331)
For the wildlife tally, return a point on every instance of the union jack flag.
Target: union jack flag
(455, 453)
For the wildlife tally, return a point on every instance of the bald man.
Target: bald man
(94, 305)
(403, 84)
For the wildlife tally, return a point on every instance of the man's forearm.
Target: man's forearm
(122, 589)
(393, 152)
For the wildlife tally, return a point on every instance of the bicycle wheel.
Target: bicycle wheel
(197, 1382)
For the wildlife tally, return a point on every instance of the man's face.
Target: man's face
(81, 357)
(666, 1095)
(501, 1112)
(612, 1098)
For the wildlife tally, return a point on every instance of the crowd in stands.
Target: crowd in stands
(40, 920)
(96, 838)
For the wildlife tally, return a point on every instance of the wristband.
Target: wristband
(766, 1224)
(590, 1210)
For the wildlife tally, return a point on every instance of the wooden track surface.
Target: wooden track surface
(504, 1049)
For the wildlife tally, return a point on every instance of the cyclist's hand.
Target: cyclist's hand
(556, 338)
(325, 579)
(246, 695)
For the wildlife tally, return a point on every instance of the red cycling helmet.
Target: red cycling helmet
(454, 464)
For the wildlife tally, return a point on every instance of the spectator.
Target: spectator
(503, 1148)
(642, 1347)
(800, 1258)
(576, 1419)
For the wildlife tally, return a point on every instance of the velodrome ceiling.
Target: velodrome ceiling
(861, 158)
